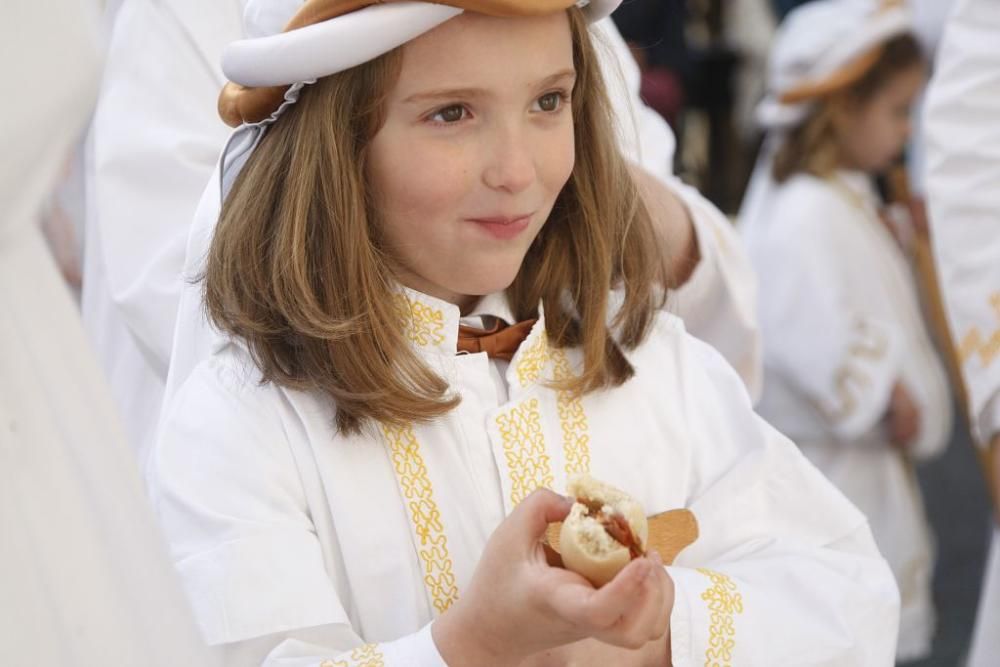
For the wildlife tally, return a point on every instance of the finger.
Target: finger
(537, 511)
(594, 610)
(644, 621)
(666, 586)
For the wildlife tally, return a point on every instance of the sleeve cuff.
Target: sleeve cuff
(417, 650)
(680, 619)
(704, 618)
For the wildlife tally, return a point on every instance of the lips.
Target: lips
(503, 227)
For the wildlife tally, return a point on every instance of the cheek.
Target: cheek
(557, 159)
(421, 185)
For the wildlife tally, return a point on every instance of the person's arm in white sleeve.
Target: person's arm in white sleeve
(844, 360)
(155, 143)
(785, 570)
(713, 282)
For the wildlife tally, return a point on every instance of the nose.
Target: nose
(510, 164)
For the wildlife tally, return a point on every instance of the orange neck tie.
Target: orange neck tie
(500, 342)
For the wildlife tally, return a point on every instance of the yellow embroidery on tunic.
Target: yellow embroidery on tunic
(439, 576)
(524, 449)
(724, 602)
(363, 656)
(975, 343)
(532, 362)
(424, 325)
(572, 419)
(868, 345)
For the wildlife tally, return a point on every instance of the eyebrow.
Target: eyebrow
(460, 93)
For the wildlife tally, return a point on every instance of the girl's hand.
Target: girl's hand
(518, 606)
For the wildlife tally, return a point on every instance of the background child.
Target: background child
(850, 371)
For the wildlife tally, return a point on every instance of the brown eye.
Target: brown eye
(550, 102)
(451, 114)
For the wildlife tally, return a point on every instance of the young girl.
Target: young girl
(350, 480)
(850, 372)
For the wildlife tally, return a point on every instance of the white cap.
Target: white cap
(819, 43)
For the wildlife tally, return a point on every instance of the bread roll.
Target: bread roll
(585, 543)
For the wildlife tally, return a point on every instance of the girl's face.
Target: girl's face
(477, 144)
(873, 133)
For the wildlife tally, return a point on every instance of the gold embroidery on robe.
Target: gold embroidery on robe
(363, 656)
(724, 602)
(572, 420)
(532, 361)
(976, 344)
(424, 324)
(528, 462)
(432, 543)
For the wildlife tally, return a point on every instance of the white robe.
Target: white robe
(84, 577)
(963, 187)
(842, 324)
(155, 137)
(278, 522)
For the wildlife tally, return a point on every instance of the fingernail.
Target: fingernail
(655, 555)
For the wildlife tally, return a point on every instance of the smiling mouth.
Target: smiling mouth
(503, 228)
(502, 221)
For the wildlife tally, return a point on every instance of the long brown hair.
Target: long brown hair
(811, 147)
(297, 271)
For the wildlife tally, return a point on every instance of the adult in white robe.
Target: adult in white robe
(279, 523)
(155, 137)
(963, 186)
(84, 577)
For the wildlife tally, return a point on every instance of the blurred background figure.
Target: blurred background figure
(153, 144)
(850, 372)
(654, 30)
(963, 187)
(85, 580)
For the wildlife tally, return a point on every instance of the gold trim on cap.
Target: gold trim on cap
(847, 75)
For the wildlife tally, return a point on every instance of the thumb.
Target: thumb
(537, 511)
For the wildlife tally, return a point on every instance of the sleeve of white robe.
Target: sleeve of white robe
(785, 570)
(718, 302)
(153, 153)
(963, 185)
(846, 363)
(251, 562)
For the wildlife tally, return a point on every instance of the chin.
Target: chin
(481, 284)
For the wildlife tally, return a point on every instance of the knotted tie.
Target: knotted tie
(499, 342)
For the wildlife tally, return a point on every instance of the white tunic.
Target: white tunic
(842, 324)
(277, 522)
(963, 186)
(155, 137)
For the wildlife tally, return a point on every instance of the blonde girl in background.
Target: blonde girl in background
(850, 371)
(441, 296)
